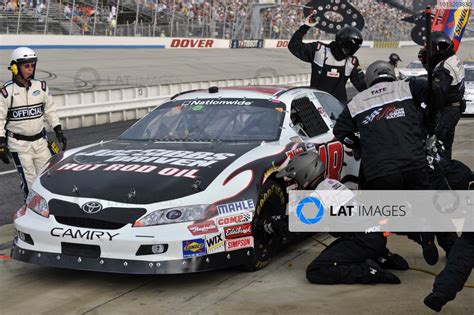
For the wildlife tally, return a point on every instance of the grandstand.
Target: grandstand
(195, 18)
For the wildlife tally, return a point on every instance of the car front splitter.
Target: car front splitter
(195, 264)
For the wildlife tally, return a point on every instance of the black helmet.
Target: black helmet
(379, 71)
(349, 39)
(394, 59)
(305, 169)
(442, 46)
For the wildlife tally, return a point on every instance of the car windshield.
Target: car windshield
(415, 65)
(469, 75)
(211, 120)
(330, 104)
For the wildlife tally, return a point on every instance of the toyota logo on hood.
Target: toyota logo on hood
(91, 207)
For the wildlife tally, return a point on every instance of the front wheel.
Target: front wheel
(271, 203)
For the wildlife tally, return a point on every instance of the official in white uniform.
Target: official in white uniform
(25, 106)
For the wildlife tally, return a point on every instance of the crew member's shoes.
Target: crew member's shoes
(379, 275)
(430, 251)
(435, 301)
(393, 261)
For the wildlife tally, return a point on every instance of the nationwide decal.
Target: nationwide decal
(203, 228)
(160, 156)
(89, 235)
(26, 112)
(215, 243)
(238, 243)
(217, 102)
(194, 248)
(133, 168)
(234, 219)
(237, 231)
(244, 205)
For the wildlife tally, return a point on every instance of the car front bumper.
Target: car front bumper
(195, 264)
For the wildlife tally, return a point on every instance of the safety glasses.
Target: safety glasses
(28, 65)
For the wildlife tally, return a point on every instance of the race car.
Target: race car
(413, 69)
(469, 93)
(190, 187)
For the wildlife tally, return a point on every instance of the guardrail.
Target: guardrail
(102, 107)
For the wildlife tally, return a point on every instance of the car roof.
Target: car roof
(248, 91)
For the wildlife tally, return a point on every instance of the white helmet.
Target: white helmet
(23, 54)
(19, 56)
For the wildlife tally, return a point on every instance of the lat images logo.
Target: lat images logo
(312, 202)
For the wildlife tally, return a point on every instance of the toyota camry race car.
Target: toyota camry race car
(189, 187)
(469, 93)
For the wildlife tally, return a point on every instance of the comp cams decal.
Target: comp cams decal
(234, 219)
(194, 248)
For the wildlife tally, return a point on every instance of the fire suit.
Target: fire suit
(391, 122)
(328, 72)
(23, 112)
(449, 75)
(355, 258)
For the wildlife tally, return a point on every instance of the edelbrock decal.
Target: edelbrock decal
(237, 231)
(244, 205)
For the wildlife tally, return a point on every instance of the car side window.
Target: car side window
(304, 115)
(330, 104)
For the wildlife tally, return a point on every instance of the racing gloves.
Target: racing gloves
(310, 20)
(60, 136)
(4, 150)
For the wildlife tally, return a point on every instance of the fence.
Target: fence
(224, 19)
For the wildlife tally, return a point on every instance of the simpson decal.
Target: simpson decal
(194, 248)
(239, 243)
(245, 205)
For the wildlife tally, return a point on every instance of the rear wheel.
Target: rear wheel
(267, 241)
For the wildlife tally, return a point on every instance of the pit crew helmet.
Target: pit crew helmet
(22, 55)
(305, 168)
(379, 71)
(349, 39)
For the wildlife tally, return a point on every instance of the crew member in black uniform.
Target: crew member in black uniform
(448, 74)
(391, 120)
(331, 65)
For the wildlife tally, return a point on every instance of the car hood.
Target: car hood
(141, 172)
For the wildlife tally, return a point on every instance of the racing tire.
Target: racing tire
(271, 202)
